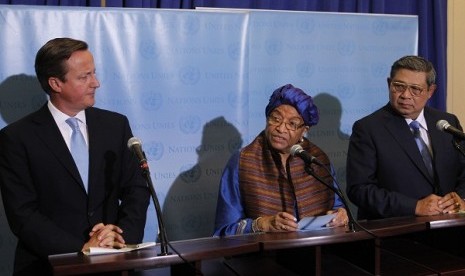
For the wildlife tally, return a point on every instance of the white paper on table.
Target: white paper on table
(314, 223)
(129, 247)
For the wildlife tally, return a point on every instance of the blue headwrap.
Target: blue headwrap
(297, 98)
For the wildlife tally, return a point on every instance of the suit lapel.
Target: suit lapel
(401, 133)
(438, 139)
(48, 132)
(97, 138)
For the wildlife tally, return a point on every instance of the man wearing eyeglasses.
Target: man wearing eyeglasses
(263, 187)
(399, 163)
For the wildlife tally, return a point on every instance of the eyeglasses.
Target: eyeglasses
(274, 120)
(400, 87)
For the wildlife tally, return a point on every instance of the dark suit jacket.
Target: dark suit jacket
(44, 197)
(386, 175)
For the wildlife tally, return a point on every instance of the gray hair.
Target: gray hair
(415, 63)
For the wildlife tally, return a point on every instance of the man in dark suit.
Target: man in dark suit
(50, 206)
(386, 174)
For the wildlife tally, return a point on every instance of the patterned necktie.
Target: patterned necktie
(425, 154)
(79, 150)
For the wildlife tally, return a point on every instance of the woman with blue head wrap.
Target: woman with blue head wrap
(296, 98)
(264, 187)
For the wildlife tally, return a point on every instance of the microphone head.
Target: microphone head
(296, 149)
(134, 141)
(442, 125)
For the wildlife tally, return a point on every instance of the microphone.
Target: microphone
(297, 150)
(308, 159)
(135, 145)
(443, 125)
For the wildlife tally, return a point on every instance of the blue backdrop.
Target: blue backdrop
(194, 85)
(432, 19)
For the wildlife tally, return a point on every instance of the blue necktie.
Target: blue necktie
(425, 154)
(79, 150)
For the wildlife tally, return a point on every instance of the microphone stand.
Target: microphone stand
(351, 223)
(161, 224)
(459, 147)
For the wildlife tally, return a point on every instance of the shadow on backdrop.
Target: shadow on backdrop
(19, 96)
(329, 136)
(190, 204)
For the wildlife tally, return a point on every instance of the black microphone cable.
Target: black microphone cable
(337, 190)
(135, 145)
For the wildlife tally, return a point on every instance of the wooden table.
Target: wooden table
(191, 250)
(370, 243)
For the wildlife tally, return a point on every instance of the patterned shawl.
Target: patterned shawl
(267, 188)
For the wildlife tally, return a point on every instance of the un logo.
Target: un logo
(154, 150)
(149, 50)
(234, 144)
(305, 69)
(346, 48)
(234, 51)
(345, 91)
(190, 175)
(306, 26)
(189, 124)
(152, 101)
(273, 47)
(190, 26)
(189, 75)
(191, 222)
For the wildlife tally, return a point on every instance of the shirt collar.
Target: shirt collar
(420, 119)
(61, 117)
